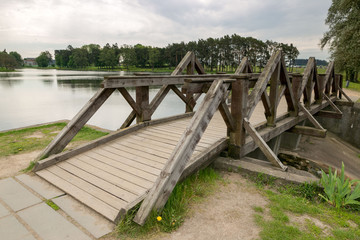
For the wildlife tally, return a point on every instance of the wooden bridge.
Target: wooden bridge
(144, 161)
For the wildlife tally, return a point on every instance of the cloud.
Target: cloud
(37, 25)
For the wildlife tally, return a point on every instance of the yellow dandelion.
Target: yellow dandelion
(159, 218)
(173, 223)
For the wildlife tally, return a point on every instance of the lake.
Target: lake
(34, 96)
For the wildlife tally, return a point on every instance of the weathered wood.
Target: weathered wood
(261, 84)
(296, 85)
(226, 115)
(189, 102)
(332, 104)
(74, 126)
(310, 117)
(163, 187)
(142, 100)
(273, 96)
(289, 95)
(266, 103)
(130, 100)
(129, 120)
(309, 70)
(270, 155)
(346, 96)
(329, 114)
(309, 131)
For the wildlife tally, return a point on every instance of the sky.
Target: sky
(32, 26)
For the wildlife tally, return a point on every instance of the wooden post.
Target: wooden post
(142, 100)
(321, 80)
(274, 88)
(190, 70)
(239, 98)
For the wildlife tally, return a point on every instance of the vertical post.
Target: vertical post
(190, 70)
(335, 88)
(321, 79)
(239, 98)
(142, 99)
(340, 85)
(274, 89)
(296, 85)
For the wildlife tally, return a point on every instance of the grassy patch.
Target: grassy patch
(302, 201)
(191, 190)
(352, 86)
(37, 138)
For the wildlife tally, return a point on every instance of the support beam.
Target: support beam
(226, 115)
(130, 100)
(329, 114)
(74, 126)
(311, 117)
(310, 131)
(171, 173)
(270, 155)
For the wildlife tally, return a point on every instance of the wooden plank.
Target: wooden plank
(309, 131)
(163, 187)
(115, 180)
(89, 200)
(99, 193)
(139, 153)
(74, 126)
(346, 96)
(214, 132)
(306, 76)
(124, 172)
(270, 155)
(289, 95)
(139, 162)
(189, 102)
(266, 103)
(166, 150)
(142, 100)
(98, 182)
(130, 100)
(261, 84)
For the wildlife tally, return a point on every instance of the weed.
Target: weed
(262, 180)
(258, 209)
(310, 191)
(52, 205)
(338, 190)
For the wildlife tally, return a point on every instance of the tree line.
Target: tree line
(215, 54)
(10, 61)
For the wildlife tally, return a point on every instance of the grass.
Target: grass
(191, 190)
(290, 203)
(26, 140)
(52, 205)
(6, 70)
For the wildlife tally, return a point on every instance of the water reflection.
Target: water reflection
(36, 96)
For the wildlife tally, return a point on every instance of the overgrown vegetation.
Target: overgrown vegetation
(191, 190)
(338, 190)
(297, 212)
(37, 138)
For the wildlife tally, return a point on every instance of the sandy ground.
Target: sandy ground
(226, 214)
(12, 165)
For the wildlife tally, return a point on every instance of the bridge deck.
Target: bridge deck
(117, 175)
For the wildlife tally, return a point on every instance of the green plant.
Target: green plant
(52, 205)
(338, 190)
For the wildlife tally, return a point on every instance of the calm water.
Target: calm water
(33, 96)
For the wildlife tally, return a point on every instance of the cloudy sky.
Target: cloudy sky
(32, 26)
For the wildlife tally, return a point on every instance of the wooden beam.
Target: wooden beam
(128, 121)
(329, 114)
(274, 88)
(142, 100)
(261, 84)
(74, 126)
(332, 104)
(226, 115)
(270, 155)
(306, 76)
(171, 173)
(310, 131)
(289, 94)
(266, 103)
(189, 102)
(311, 117)
(130, 100)
(346, 96)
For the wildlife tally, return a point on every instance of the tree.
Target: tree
(44, 59)
(107, 57)
(79, 58)
(18, 58)
(343, 36)
(154, 54)
(7, 61)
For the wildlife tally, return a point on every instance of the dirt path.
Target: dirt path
(12, 165)
(226, 214)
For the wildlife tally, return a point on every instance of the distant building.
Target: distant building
(30, 62)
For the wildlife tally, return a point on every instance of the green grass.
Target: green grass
(6, 70)
(288, 201)
(191, 190)
(24, 140)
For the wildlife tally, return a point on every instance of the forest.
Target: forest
(215, 54)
